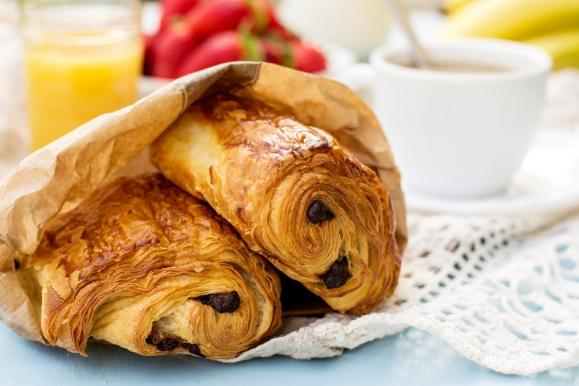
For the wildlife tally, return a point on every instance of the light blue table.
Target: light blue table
(412, 358)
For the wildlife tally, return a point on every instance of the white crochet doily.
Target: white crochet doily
(501, 288)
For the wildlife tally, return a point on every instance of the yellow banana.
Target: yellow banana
(512, 19)
(450, 7)
(563, 46)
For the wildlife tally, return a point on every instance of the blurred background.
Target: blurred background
(103, 54)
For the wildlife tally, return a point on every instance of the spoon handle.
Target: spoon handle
(400, 12)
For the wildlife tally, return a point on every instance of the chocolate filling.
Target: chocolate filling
(163, 343)
(338, 274)
(318, 212)
(171, 342)
(224, 302)
(193, 349)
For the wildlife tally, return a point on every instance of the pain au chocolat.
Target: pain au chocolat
(145, 266)
(292, 192)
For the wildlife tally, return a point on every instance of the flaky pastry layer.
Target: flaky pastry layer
(145, 266)
(292, 192)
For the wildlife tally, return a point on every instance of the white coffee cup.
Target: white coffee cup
(457, 134)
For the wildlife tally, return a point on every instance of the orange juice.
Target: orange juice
(76, 74)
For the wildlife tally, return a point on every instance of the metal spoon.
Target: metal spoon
(400, 12)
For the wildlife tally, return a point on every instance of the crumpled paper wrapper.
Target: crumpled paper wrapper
(59, 176)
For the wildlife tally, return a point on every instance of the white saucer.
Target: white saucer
(548, 182)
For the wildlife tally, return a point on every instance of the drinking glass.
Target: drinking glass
(83, 59)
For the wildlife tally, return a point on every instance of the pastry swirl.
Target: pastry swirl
(145, 266)
(292, 192)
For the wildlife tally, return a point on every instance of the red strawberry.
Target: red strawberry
(263, 16)
(277, 50)
(148, 42)
(272, 51)
(295, 54)
(228, 46)
(212, 16)
(170, 49)
(283, 33)
(174, 9)
(307, 57)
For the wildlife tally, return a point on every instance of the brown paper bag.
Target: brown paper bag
(59, 176)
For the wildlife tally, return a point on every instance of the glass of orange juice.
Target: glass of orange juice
(83, 59)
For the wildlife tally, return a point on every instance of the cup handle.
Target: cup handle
(359, 78)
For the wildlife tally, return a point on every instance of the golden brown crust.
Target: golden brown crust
(145, 266)
(292, 192)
